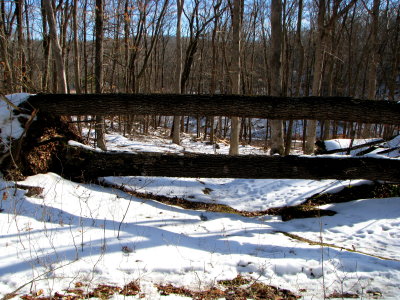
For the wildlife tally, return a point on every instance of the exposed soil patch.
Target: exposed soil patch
(31, 191)
(336, 295)
(299, 212)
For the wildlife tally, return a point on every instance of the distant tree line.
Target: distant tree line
(316, 48)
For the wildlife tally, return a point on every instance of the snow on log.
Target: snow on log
(322, 146)
(316, 108)
(83, 164)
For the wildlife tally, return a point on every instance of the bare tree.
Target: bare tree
(57, 52)
(373, 63)
(236, 31)
(324, 24)
(275, 63)
(77, 67)
(213, 79)
(4, 54)
(178, 69)
(99, 74)
(21, 46)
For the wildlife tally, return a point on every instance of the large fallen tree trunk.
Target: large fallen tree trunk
(85, 164)
(316, 108)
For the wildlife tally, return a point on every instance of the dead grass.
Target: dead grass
(102, 291)
(235, 289)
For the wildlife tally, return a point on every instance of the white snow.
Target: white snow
(86, 233)
(9, 124)
(336, 144)
(241, 194)
(116, 142)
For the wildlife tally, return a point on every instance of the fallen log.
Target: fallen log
(84, 164)
(316, 108)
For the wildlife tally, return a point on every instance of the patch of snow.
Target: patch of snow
(80, 145)
(336, 144)
(241, 194)
(78, 232)
(9, 124)
(395, 142)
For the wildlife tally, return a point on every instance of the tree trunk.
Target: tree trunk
(316, 108)
(300, 49)
(317, 74)
(46, 51)
(21, 47)
(77, 67)
(236, 29)
(288, 140)
(80, 162)
(4, 55)
(57, 52)
(178, 70)
(373, 64)
(277, 146)
(101, 143)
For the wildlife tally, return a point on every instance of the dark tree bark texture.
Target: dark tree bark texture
(83, 164)
(315, 108)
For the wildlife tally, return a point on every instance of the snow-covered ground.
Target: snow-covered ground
(71, 233)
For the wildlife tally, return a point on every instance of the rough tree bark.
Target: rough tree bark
(5, 57)
(317, 74)
(46, 50)
(178, 70)
(77, 67)
(316, 108)
(21, 47)
(300, 50)
(86, 164)
(57, 52)
(99, 74)
(275, 63)
(236, 28)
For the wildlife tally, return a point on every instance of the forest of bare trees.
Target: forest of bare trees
(315, 48)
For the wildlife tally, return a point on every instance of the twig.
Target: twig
(5, 99)
(123, 218)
